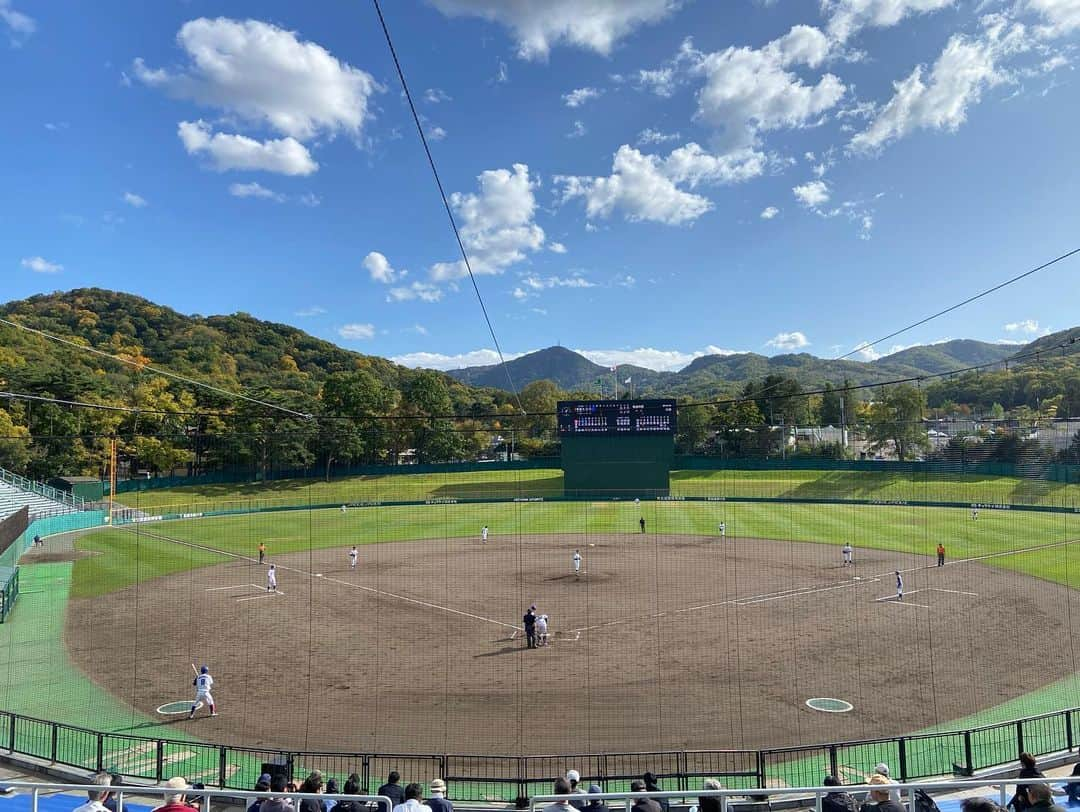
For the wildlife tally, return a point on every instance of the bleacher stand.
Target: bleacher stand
(43, 500)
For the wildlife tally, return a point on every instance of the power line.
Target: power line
(958, 305)
(155, 370)
(106, 407)
(446, 202)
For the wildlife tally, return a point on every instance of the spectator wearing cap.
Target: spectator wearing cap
(709, 803)
(642, 804)
(97, 797)
(414, 800)
(837, 800)
(437, 797)
(1039, 799)
(562, 787)
(879, 800)
(392, 789)
(175, 801)
(595, 804)
(651, 785)
(313, 784)
(262, 785)
(279, 803)
(574, 778)
(882, 769)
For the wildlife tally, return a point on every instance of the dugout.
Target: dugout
(616, 448)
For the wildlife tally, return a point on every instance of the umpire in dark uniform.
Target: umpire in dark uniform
(530, 627)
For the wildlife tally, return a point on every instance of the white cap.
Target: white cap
(882, 769)
(573, 775)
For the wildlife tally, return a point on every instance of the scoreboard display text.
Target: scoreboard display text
(616, 417)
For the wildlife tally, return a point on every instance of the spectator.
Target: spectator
(562, 787)
(710, 803)
(262, 785)
(882, 769)
(331, 789)
(652, 786)
(642, 804)
(837, 800)
(574, 778)
(979, 805)
(392, 789)
(1019, 801)
(879, 800)
(110, 801)
(352, 787)
(1039, 799)
(277, 804)
(97, 797)
(414, 800)
(1072, 789)
(595, 804)
(313, 784)
(437, 801)
(175, 801)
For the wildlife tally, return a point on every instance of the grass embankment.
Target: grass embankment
(546, 482)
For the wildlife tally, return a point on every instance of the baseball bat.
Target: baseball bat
(196, 670)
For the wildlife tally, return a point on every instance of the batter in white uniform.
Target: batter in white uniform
(483, 534)
(203, 683)
(271, 579)
(352, 557)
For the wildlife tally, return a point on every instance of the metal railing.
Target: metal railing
(506, 777)
(41, 489)
(732, 800)
(205, 796)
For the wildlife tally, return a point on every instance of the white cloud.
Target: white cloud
(56, 126)
(255, 190)
(646, 187)
(502, 75)
(436, 95)
(309, 199)
(661, 81)
(41, 265)
(578, 97)
(420, 329)
(496, 224)
(436, 134)
(135, 201)
(378, 266)
(19, 25)
(812, 194)
(577, 130)
(769, 212)
(788, 341)
(847, 17)
(939, 99)
(267, 76)
(651, 358)
(417, 290)
(749, 91)
(286, 156)
(1029, 326)
(435, 360)
(592, 24)
(357, 332)
(534, 284)
(650, 136)
(624, 281)
(1062, 16)
(557, 248)
(866, 226)
(308, 312)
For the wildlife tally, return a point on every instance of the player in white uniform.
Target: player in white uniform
(484, 534)
(899, 586)
(352, 557)
(974, 514)
(542, 630)
(723, 529)
(203, 683)
(271, 579)
(344, 509)
(848, 554)
(577, 563)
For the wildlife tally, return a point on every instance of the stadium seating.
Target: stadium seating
(17, 492)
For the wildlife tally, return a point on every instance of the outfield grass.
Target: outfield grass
(547, 482)
(132, 554)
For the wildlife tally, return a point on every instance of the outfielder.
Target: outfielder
(974, 514)
(271, 579)
(484, 534)
(343, 510)
(203, 682)
(577, 563)
(723, 529)
(899, 586)
(848, 553)
(352, 557)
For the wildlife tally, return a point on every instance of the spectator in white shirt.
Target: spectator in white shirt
(97, 797)
(414, 797)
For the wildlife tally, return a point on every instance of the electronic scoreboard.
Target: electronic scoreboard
(579, 418)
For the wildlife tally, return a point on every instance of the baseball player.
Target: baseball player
(484, 534)
(577, 563)
(542, 630)
(352, 557)
(203, 683)
(974, 514)
(899, 586)
(530, 627)
(262, 552)
(344, 510)
(848, 554)
(940, 554)
(723, 529)
(641, 522)
(271, 579)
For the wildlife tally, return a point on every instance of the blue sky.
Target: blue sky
(642, 180)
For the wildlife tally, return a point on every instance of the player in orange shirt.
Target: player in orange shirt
(940, 554)
(262, 552)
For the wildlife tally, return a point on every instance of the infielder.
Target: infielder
(271, 579)
(352, 557)
(848, 554)
(899, 586)
(203, 683)
(483, 534)
(542, 630)
(577, 563)
(723, 529)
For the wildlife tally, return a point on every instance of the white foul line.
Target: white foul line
(234, 586)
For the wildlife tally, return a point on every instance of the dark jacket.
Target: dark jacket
(439, 805)
(885, 806)
(838, 802)
(1045, 806)
(394, 792)
(312, 805)
(708, 804)
(645, 805)
(596, 806)
(1019, 801)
